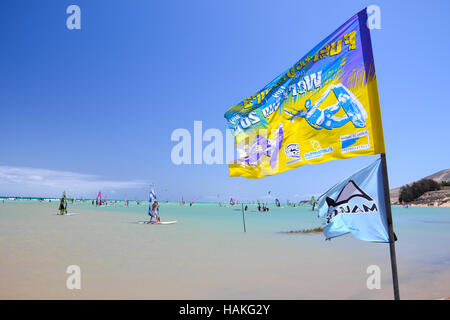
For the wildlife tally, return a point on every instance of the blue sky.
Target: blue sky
(98, 105)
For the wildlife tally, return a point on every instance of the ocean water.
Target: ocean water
(206, 254)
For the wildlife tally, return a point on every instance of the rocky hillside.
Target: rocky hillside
(430, 197)
(434, 198)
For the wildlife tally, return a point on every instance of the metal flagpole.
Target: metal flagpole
(387, 202)
(243, 216)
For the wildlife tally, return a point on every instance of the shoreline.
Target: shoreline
(425, 205)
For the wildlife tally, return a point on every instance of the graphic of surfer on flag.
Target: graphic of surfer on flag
(325, 118)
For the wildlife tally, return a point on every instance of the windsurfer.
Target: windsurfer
(155, 211)
(63, 205)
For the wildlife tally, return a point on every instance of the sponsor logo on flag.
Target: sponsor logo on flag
(351, 200)
(356, 205)
(292, 152)
(355, 141)
(319, 152)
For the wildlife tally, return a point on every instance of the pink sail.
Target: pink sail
(98, 201)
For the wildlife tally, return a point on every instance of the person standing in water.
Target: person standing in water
(154, 211)
(63, 205)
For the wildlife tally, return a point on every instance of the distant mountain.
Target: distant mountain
(443, 175)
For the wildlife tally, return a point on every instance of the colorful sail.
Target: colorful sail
(152, 198)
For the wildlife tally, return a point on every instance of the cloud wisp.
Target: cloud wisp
(35, 181)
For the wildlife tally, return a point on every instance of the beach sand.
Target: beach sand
(206, 255)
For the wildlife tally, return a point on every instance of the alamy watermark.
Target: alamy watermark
(374, 279)
(74, 280)
(191, 149)
(74, 20)
(373, 17)
(212, 146)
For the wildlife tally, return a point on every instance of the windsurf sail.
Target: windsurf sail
(313, 203)
(98, 200)
(152, 195)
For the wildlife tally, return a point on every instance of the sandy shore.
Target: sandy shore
(435, 204)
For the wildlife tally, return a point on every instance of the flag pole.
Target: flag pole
(387, 203)
(243, 216)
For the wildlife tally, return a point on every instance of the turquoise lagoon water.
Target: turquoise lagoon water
(206, 254)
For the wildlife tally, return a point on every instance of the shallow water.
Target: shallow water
(206, 255)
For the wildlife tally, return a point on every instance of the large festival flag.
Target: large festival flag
(322, 108)
(357, 205)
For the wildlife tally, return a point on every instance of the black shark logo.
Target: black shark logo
(340, 205)
(350, 190)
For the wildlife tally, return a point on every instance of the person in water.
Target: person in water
(154, 212)
(63, 205)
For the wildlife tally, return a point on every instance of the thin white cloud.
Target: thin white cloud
(35, 181)
(306, 196)
(267, 197)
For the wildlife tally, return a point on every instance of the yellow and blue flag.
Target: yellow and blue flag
(357, 205)
(322, 108)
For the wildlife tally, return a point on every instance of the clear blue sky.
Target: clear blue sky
(103, 101)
